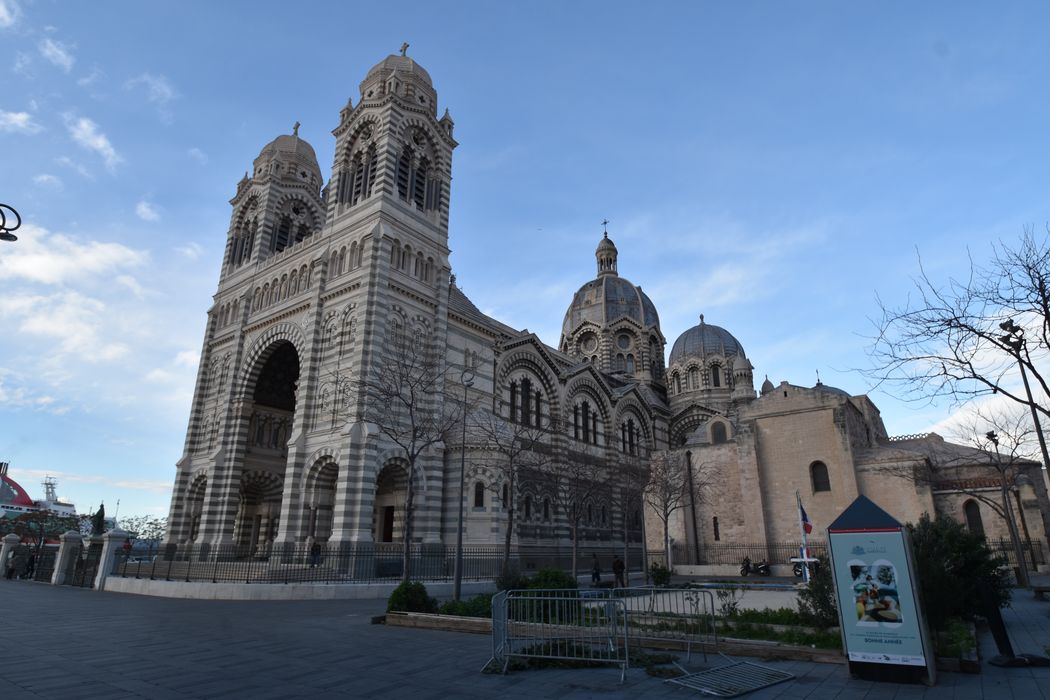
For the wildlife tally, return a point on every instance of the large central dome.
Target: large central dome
(613, 323)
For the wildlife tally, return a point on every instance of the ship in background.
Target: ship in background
(15, 501)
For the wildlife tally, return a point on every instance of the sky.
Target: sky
(777, 167)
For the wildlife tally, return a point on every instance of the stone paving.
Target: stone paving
(61, 642)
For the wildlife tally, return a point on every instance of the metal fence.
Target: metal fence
(734, 553)
(599, 625)
(363, 562)
(1033, 552)
(559, 624)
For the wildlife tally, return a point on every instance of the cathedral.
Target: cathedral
(321, 276)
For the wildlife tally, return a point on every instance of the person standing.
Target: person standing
(618, 571)
(30, 567)
(315, 555)
(596, 570)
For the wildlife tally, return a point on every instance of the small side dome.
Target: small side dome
(820, 386)
(767, 386)
(290, 157)
(705, 339)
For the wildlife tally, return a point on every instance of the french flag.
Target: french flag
(804, 519)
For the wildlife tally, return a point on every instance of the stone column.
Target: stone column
(10, 542)
(112, 543)
(69, 546)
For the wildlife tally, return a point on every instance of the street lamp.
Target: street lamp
(1015, 340)
(1008, 511)
(5, 230)
(466, 377)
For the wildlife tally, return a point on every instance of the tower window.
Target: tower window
(718, 433)
(818, 472)
(282, 235)
(714, 527)
(716, 375)
(546, 509)
(528, 507)
(479, 494)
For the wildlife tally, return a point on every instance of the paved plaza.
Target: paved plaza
(61, 642)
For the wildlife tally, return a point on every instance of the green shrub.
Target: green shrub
(770, 616)
(552, 578)
(951, 565)
(660, 575)
(816, 602)
(728, 605)
(478, 606)
(955, 639)
(511, 580)
(411, 596)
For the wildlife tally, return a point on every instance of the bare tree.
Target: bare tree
(629, 476)
(576, 482)
(405, 396)
(970, 337)
(516, 450)
(668, 490)
(148, 529)
(997, 451)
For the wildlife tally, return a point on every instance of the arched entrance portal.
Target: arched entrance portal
(266, 454)
(320, 500)
(388, 516)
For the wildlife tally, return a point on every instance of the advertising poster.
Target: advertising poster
(880, 620)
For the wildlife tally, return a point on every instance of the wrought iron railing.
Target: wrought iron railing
(363, 562)
(734, 553)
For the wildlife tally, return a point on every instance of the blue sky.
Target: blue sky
(771, 165)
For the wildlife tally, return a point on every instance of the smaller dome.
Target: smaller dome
(290, 144)
(605, 244)
(820, 386)
(705, 339)
(767, 386)
(400, 64)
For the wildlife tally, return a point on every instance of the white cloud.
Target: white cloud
(46, 180)
(14, 394)
(22, 63)
(71, 320)
(86, 133)
(18, 122)
(190, 250)
(75, 166)
(9, 13)
(137, 484)
(91, 78)
(51, 258)
(187, 358)
(147, 211)
(132, 285)
(159, 92)
(57, 53)
(161, 376)
(198, 155)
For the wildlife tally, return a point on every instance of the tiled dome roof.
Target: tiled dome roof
(705, 339)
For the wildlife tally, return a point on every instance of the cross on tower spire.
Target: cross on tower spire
(605, 227)
(404, 49)
(295, 129)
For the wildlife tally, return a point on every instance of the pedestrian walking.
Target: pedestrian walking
(9, 565)
(30, 567)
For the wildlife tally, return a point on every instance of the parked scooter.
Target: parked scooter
(759, 569)
(796, 568)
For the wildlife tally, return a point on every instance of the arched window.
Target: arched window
(547, 509)
(605, 518)
(677, 383)
(694, 378)
(282, 235)
(620, 364)
(630, 364)
(718, 433)
(716, 375)
(818, 472)
(528, 507)
(479, 494)
(505, 495)
(972, 513)
(514, 402)
(714, 527)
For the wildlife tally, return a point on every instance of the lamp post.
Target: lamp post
(1008, 511)
(1014, 339)
(467, 379)
(5, 229)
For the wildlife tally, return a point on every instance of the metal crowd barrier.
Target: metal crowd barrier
(561, 624)
(681, 615)
(600, 625)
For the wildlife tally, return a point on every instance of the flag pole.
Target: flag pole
(805, 545)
